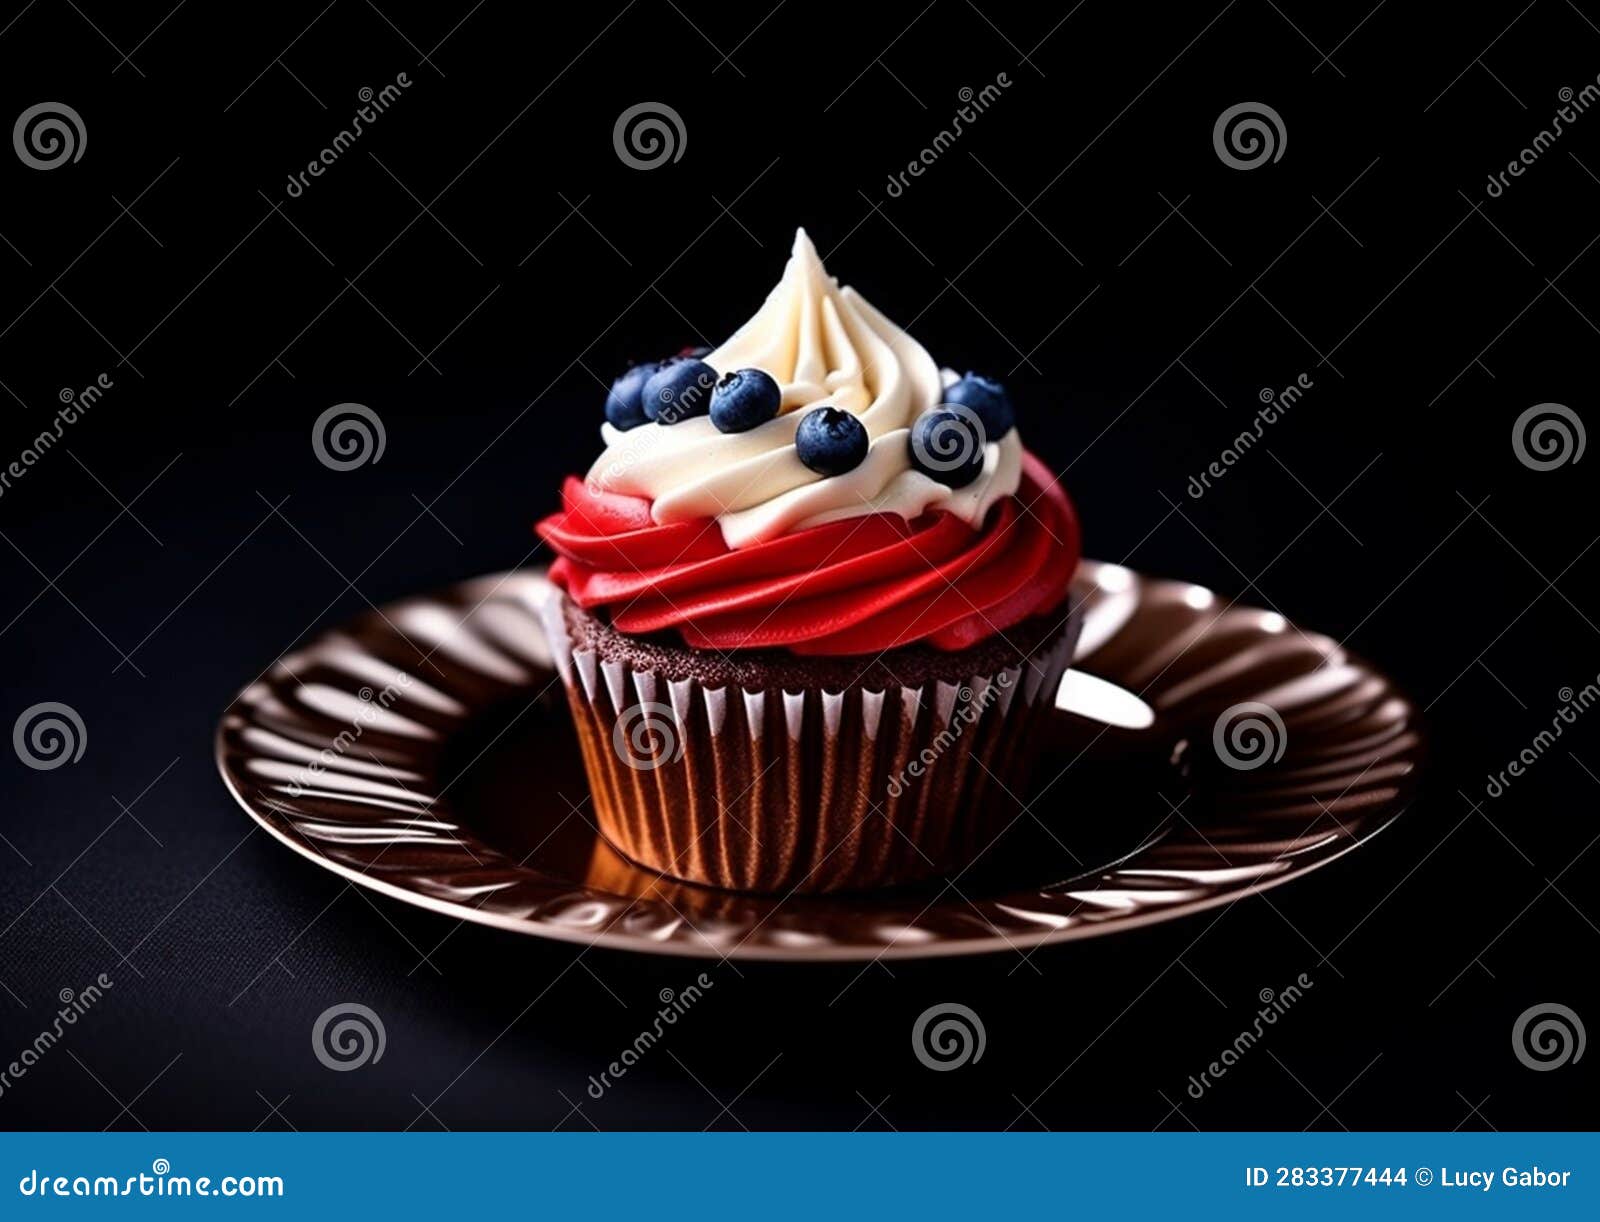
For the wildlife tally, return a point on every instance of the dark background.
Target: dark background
(481, 263)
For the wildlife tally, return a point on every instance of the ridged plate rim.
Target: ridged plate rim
(1119, 606)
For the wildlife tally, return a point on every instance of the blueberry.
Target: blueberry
(830, 441)
(947, 445)
(744, 399)
(625, 403)
(681, 388)
(988, 401)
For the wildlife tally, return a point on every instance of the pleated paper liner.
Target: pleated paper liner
(780, 790)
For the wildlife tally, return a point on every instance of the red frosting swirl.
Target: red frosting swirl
(860, 585)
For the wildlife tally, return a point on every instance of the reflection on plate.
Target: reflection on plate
(425, 751)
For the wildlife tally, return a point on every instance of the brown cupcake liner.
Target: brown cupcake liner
(804, 791)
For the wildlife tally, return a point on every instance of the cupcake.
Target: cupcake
(809, 604)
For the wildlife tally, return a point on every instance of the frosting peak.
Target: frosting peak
(824, 345)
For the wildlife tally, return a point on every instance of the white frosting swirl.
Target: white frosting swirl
(824, 345)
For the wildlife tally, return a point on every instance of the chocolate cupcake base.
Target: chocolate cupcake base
(763, 771)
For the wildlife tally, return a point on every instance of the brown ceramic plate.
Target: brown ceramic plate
(425, 751)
